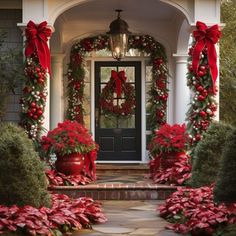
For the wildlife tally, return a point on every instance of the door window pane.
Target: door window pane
(87, 94)
(148, 73)
(128, 122)
(108, 122)
(86, 104)
(106, 73)
(129, 72)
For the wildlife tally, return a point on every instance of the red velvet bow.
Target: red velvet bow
(119, 78)
(90, 166)
(206, 37)
(37, 37)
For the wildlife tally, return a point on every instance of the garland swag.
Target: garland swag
(158, 92)
(37, 66)
(201, 77)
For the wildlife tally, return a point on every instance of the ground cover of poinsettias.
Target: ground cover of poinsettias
(178, 174)
(65, 214)
(194, 211)
(56, 178)
(190, 211)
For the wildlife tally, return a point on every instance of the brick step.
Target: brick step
(128, 169)
(117, 191)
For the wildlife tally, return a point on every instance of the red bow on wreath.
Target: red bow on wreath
(37, 37)
(119, 78)
(206, 37)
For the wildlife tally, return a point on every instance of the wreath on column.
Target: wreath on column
(117, 85)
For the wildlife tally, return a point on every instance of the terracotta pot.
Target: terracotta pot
(169, 159)
(71, 164)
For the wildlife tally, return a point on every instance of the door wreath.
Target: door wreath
(124, 91)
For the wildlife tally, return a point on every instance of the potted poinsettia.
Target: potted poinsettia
(74, 147)
(169, 142)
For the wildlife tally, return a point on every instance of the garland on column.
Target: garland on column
(36, 71)
(145, 43)
(201, 76)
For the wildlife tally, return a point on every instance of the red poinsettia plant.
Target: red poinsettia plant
(192, 210)
(65, 215)
(69, 137)
(168, 139)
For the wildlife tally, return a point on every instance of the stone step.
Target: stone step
(116, 169)
(129, 187)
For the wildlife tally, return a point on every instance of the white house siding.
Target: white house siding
(8, 22)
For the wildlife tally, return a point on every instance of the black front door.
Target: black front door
(119, 138)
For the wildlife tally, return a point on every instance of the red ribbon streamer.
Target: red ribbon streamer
(206, 37)
(37, 37)
(119, 78)
(90, 166)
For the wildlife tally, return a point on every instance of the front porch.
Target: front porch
(119, 182)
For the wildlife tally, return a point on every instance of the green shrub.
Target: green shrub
(22, 178)
(229, 230)
(225, 189)
(207, 155)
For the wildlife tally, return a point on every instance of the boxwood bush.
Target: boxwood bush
(225, 188)
(208, 154)
(22, 178)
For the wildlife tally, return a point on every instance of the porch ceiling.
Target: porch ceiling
(143, 17)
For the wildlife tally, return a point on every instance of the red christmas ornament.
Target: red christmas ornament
(160, 114)
(204, 92)
(202, 67)
(200, 88)
(30, 114)
(190, 68)
(198, 137)
(203, 114)
(32, 104)
(201, 73)
(157, 62)
(201, 98)
(41, 80)
(39, 112)
(33, 110)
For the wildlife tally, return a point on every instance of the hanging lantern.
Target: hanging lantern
(118, 37)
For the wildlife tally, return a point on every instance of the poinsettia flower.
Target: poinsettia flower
(196, 210)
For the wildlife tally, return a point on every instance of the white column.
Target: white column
(217, 98)
(181, 90)
(56, 90)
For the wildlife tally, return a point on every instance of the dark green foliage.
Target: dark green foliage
(207, 155)
(227, 63)
(22, 178)
(225, 189)
(229, 230)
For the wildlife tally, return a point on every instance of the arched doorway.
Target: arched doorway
(89, 70)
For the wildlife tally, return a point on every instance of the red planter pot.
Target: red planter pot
(71, 164)
(169, 159)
